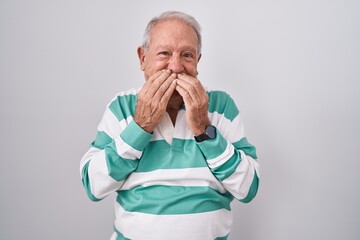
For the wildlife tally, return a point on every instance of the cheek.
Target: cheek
(153, 67)
(191, 69)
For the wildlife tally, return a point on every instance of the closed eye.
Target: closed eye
(188, 56)
(164, 53)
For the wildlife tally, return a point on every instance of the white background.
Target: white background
(293, 67)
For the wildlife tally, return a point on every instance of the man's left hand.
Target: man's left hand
(196, 102)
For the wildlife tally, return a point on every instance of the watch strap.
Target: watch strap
(210, 133)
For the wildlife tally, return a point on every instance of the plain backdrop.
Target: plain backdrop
(293, 68)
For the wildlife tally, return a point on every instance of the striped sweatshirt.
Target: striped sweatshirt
(168, 185)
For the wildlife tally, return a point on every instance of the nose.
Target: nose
(175, 64)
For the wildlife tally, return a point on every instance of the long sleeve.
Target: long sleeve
(230, 157)
(116, 151)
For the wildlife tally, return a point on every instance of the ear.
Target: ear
(141, 55)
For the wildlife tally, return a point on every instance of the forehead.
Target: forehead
(173, 33)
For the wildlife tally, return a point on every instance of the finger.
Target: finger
(155, 76)
(164, 87)
(191, 92)
(184, 94)
(191, 80)
(169, 91)
(195, 83)
(155, 81)
(150, 80)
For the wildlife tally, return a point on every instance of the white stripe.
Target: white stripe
(209, 225)
(231, 130)
(109, 122)
(87, 157)
(101, 184)
(125, 93)
(174, 177)
(182, 131)
(244, 171)
(125, 150)
(111, 125)
(222, 158)
(237, 132)
(164, 130)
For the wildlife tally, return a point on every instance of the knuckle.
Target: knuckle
(197, 84)
(163, 87)
(152, 104)
(166, 95)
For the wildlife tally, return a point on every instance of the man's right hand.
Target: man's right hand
(153, 99)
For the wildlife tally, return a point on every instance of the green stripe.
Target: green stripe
(135, 136)
(118, 167)
(161, 200)
(86, 182)
(213, 148)
(101, 140)
(222, 103)
(123, 106)
(120, 236)
(222, 238)
(161, 155)
(228, 168)
(245, 146)
(253, 190)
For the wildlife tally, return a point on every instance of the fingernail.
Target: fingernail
(168, 70)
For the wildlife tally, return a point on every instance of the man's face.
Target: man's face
(173, 45)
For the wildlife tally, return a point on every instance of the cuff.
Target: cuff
(135, 136)
(213, 148)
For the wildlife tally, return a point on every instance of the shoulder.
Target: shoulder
(222, 103)
(123, 95)
(122, 105)
(218, 95)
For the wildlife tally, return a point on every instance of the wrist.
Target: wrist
(199, 131)
(144, 125)
(209, 133)
(201, 128)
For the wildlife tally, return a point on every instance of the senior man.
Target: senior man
(175, 154)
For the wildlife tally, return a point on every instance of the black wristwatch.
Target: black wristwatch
(210, 133)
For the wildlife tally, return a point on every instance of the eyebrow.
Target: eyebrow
(185, 48)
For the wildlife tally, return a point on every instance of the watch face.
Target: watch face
(211, 132)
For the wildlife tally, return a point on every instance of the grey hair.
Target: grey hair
(191, 21)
